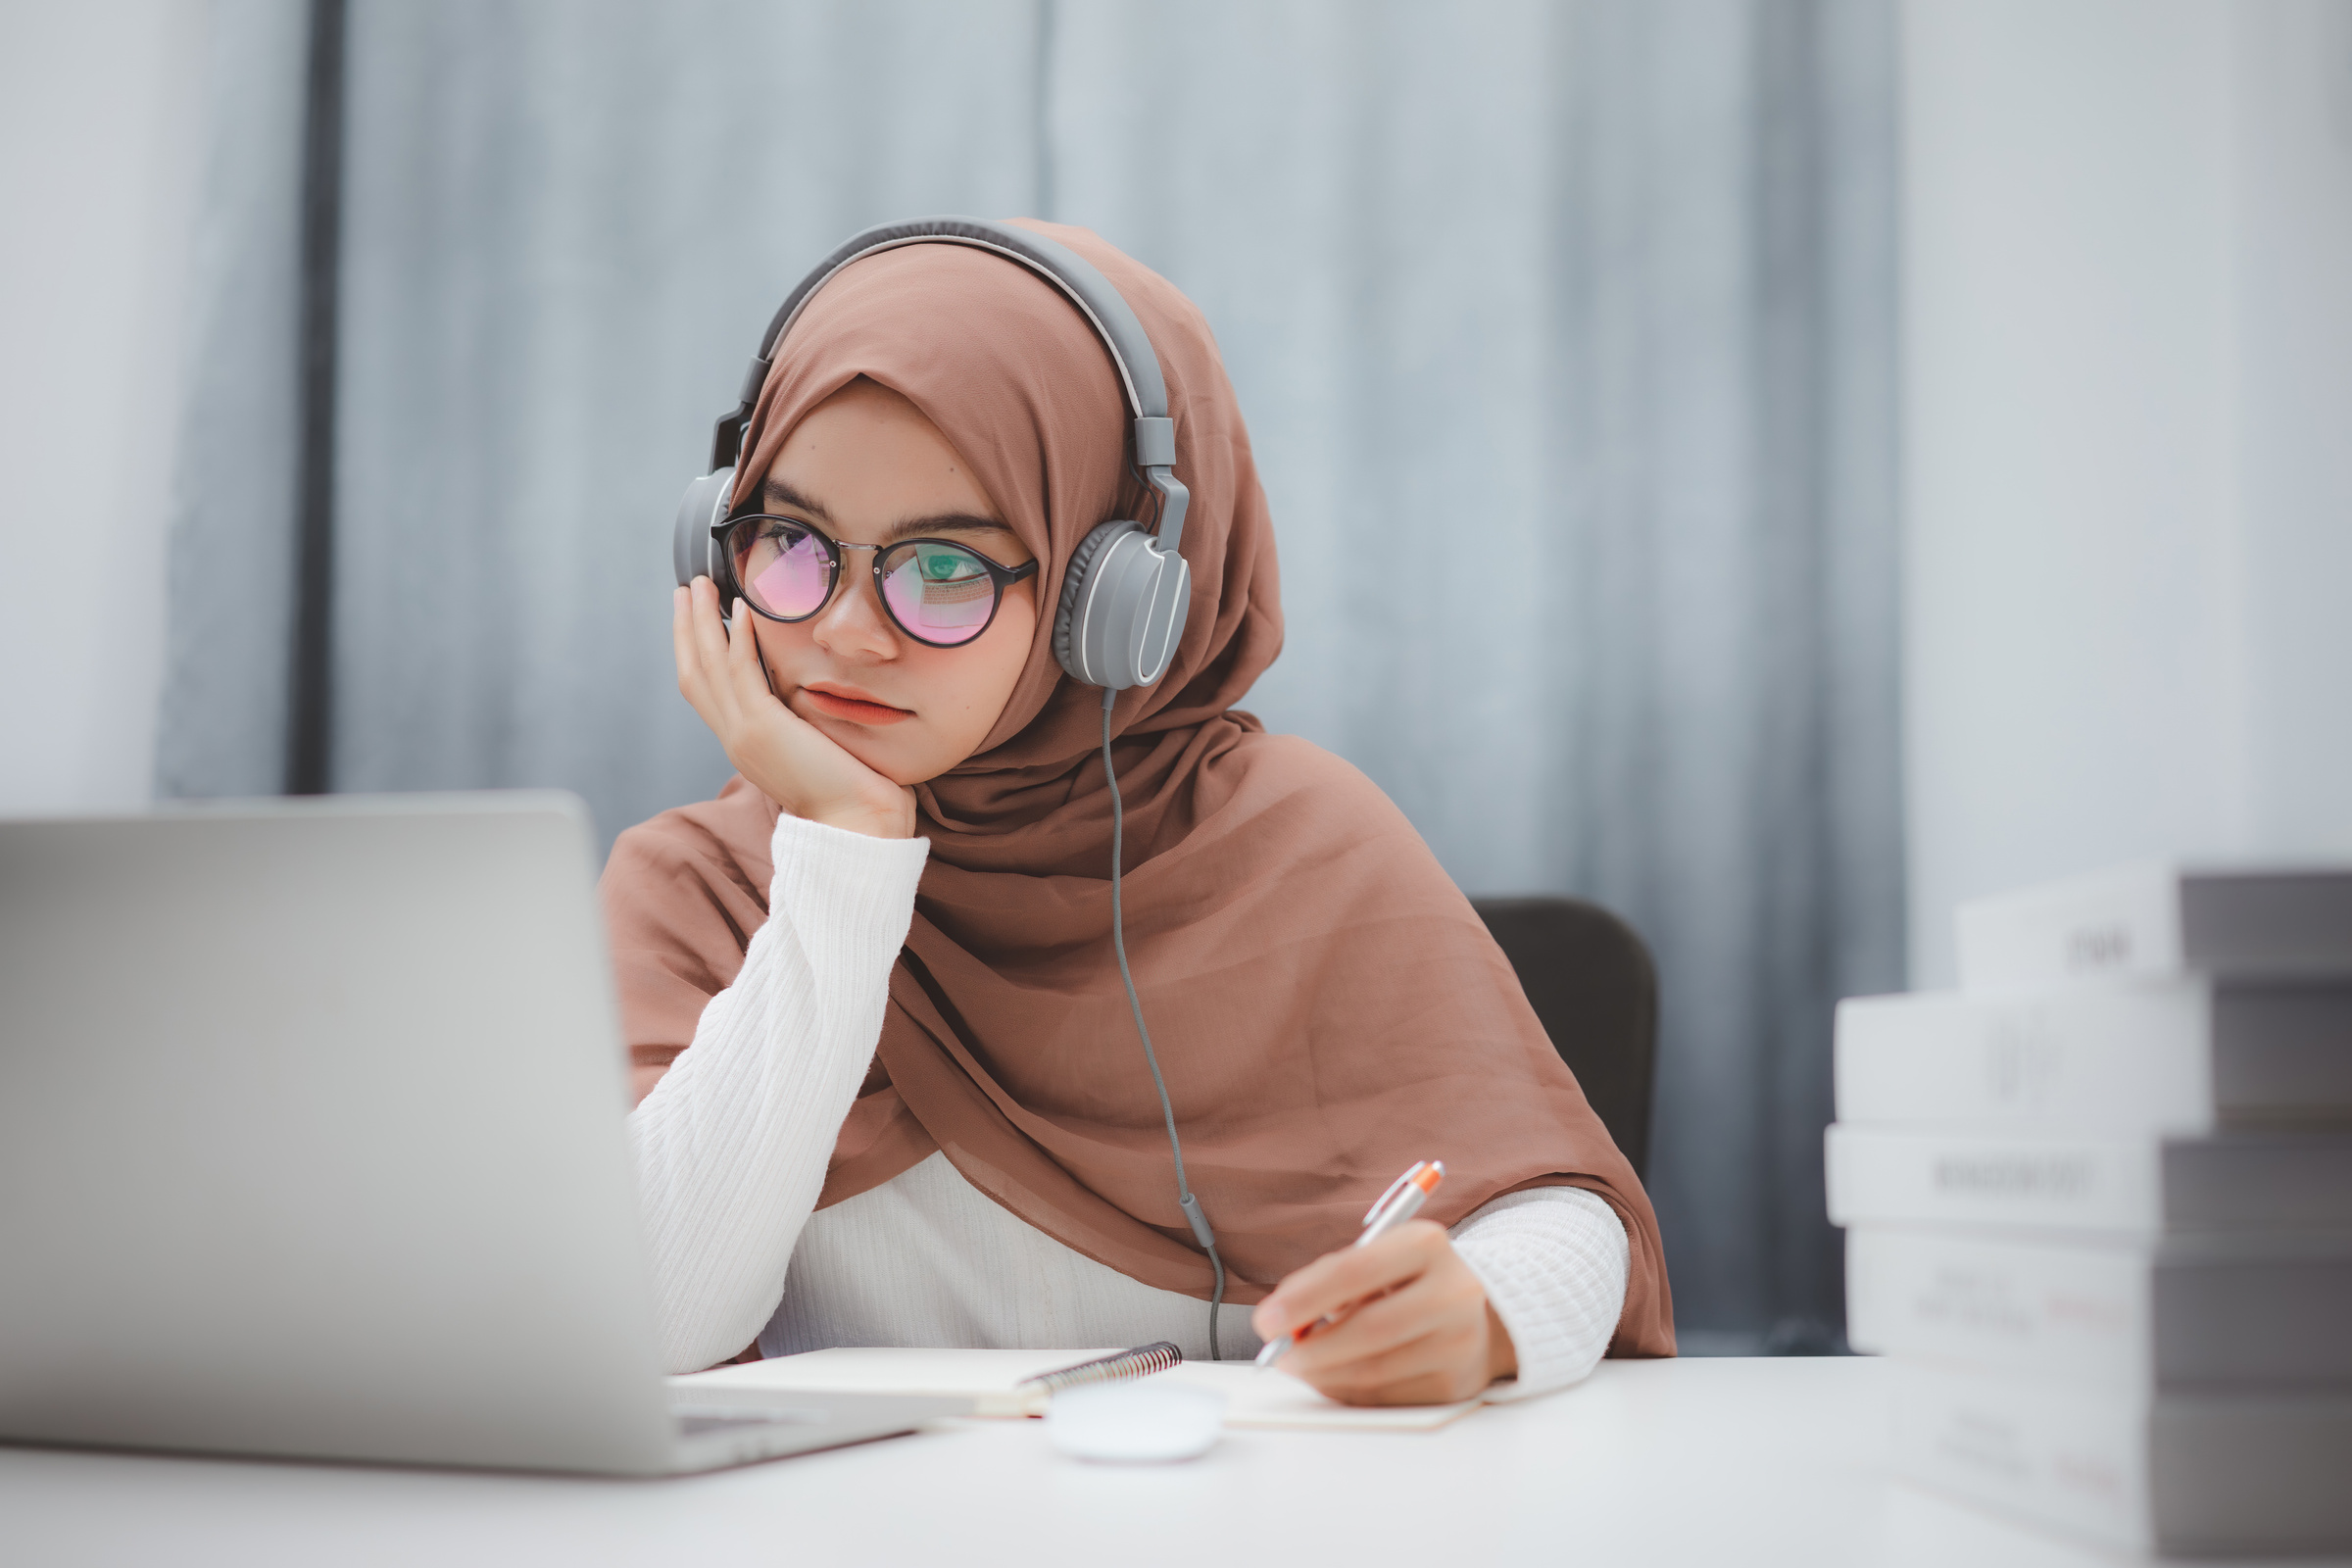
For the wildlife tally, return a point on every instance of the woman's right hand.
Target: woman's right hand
(784, 756)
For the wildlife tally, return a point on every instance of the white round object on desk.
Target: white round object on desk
(1135, 1423)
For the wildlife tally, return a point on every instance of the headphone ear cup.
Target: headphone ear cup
(692, 552)
(1068, 615)
(1124, 598)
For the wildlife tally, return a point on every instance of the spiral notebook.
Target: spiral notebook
(991, 1379)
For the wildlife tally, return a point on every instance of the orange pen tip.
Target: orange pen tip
(1431, 1173)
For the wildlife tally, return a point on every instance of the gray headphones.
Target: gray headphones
(1126, 590)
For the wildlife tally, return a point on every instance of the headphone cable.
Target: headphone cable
(1118, 940)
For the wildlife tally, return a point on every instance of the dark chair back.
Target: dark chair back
(1588, 977)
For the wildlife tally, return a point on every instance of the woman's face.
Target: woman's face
(867, 468)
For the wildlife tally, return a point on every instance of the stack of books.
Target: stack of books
(2099, 1208)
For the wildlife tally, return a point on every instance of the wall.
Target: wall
(98, 110)
(2128, 387)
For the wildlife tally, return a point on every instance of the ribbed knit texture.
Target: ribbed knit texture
(733, 1143)
(1553, 1260)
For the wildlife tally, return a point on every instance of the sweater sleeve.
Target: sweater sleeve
(733, 1141)
(1553, 1260)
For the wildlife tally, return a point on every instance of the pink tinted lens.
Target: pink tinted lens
(938, 592)
(783, 570)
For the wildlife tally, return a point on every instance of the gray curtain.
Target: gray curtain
(221, 721)
(1575, 318)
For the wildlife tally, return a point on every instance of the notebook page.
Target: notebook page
(1253, 1399)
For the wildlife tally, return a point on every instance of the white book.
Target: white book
(2158, 920)
(2252, 1308)
(2185, 1056)
(2135, 1184)
(2206, 1473)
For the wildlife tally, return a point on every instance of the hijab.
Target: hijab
(1325, 1005)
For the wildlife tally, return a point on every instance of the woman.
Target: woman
(891, 1091)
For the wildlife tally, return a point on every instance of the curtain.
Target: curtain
(222, 721)
(1565, 335)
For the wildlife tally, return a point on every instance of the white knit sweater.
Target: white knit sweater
(733, 1141)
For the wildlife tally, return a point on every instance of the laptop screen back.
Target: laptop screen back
(311, 1137)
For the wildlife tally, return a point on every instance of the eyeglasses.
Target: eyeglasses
(940, 593)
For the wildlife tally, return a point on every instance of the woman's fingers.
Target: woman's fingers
(710, 641)
(745, 670)
(1440, 1301)
(703, 675)
(681, 644)
(1337, 1280)
(1438, 1368)
(1412, 1324)
(694, 679)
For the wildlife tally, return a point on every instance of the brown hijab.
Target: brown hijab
(1327, 1007)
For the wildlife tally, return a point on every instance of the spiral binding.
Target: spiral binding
(1139, 1362)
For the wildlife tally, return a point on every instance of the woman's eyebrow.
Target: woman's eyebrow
(778, 495)
(775, 492)
(942, 523)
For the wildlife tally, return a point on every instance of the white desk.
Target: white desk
(1655, 1463)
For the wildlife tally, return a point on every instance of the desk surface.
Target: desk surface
(1661, 1463)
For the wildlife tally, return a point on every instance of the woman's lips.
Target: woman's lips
(856, 710)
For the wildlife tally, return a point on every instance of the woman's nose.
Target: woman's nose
(854, 622)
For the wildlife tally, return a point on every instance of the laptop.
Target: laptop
(313, 1144)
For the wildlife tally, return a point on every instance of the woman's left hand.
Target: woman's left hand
(1423, 1333)
(787, 759)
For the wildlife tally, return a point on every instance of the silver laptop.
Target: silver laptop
(312, 1143)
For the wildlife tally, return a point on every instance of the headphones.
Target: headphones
(1126, 590)
(1124, 594)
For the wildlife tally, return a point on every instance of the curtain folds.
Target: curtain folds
(1565, 332)
(1566, 337)
(221, 722)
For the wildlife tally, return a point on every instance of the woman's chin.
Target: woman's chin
(889, 756)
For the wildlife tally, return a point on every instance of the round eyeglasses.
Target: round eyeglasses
(940, 593)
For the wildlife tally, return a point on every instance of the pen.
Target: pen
(1401, 1203)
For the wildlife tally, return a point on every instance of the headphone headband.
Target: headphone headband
(1103, 305)
(1105, 310)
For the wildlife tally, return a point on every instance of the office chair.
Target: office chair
(1589, 976)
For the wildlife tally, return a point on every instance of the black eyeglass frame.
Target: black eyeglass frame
(999, 578)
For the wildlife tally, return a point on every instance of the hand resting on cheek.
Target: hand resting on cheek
(836, 717)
